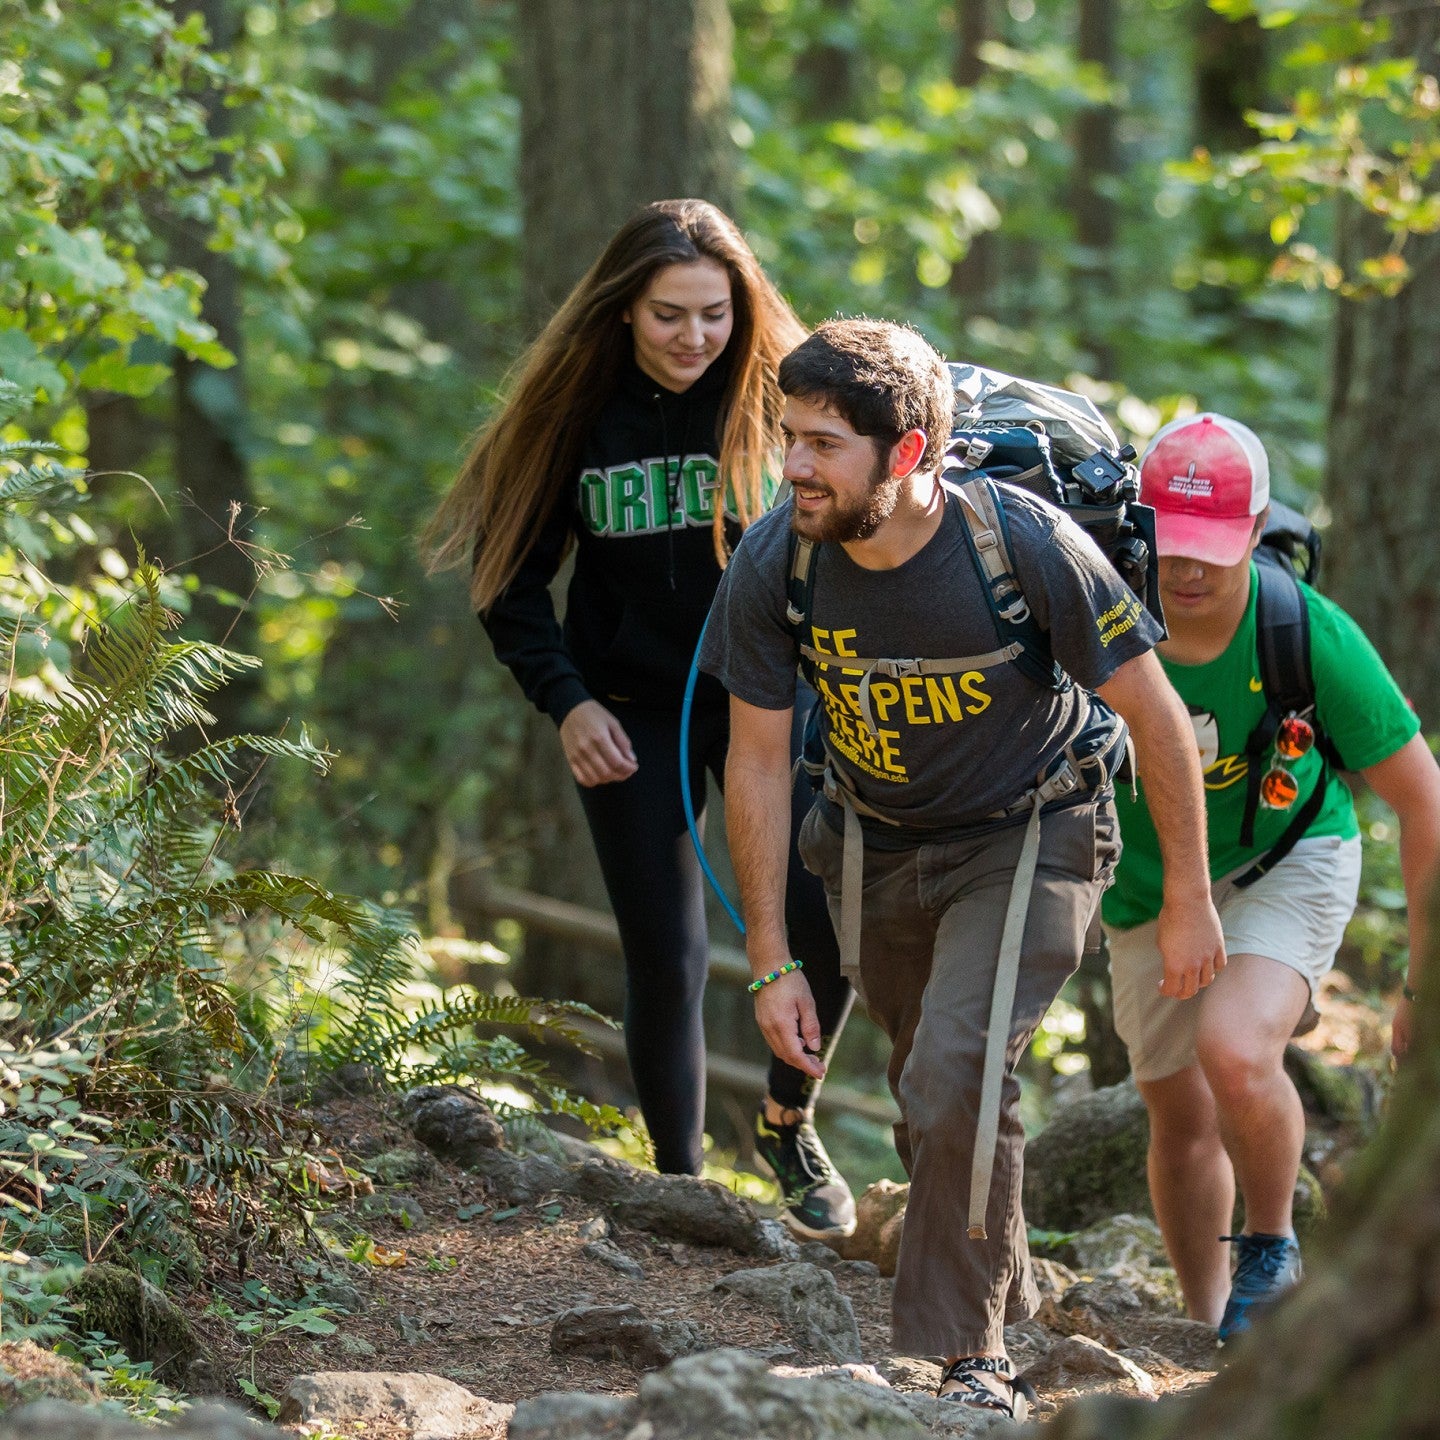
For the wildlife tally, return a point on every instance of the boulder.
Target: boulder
(1132, 1240)
(807, 1299)
(1077, 1363)
(30, 1372)
(574, 1415)
(621, 1332)
(423, 1407)
(678, 1207)
(451, 1122)
(1099, 1417)
(1052, 1279)
(1344, 1094)
(732, 1395)
(727, 1394)
(520, 1179)
(146, 1324)
(58, 1420)
(887, 1258)
(878, 1205)
(1088, 1163)
(1099, 1309)
(905, 1372)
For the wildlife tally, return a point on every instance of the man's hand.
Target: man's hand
(1192, 945)
(596, 745)
(785, 1012)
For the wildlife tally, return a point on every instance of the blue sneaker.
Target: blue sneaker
(1266, 1266)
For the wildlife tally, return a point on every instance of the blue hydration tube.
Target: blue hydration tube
(685, 796)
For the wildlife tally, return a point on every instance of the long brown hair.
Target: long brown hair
(522, 458)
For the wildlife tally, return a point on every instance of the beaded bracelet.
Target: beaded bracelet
(756, 986)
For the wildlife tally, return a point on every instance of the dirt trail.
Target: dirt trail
(475, 1287)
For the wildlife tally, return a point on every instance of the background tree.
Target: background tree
(1381, 481)
(645, 84)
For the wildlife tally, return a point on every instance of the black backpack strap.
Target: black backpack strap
(1282, 647)
(1294, 831)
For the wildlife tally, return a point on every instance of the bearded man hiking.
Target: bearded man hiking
(1284, 856)
(967, 825)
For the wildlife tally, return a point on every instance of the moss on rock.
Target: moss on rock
(141, 1318)
(1088, 1163)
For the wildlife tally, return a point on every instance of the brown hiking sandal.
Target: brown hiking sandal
(975, 1392)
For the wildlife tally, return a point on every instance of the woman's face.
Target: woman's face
(681, 322)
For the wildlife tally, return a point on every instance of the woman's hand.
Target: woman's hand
(1402, 1029)
(596, 745)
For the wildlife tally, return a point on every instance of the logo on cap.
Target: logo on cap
(1191, 484)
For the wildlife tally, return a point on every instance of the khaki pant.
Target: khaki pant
(930, 933)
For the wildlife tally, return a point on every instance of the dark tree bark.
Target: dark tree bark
(211, 468)
(825, 72)
(1230, 77)
(1382, 478)
(1355, 1350)
(1094, 208)
(972, 281)
(621, 104)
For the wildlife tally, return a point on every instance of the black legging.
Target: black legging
(657, 892)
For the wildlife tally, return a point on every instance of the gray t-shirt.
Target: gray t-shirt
(947, 750)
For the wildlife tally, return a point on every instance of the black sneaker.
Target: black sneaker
(817, 1201)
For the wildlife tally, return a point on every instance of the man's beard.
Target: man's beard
(857, 519)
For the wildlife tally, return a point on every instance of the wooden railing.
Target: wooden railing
(578, 923)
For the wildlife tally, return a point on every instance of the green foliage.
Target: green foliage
(132, 1383)
(106, 141)
(1358, 123)
(267, 1317)
(135, 1095)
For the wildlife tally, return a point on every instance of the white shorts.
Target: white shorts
(1295, 914)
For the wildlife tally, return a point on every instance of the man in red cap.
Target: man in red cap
(1284, 864)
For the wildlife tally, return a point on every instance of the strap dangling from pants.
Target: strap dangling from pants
(997, 1036)
(852, 885)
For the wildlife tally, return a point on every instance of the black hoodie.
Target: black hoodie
(645, 569)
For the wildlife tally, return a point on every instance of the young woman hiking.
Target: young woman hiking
(639, 429)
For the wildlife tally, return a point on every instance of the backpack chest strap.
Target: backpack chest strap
(889, 669)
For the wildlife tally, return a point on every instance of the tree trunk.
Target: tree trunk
(211, 470)
(1091, 202)
(1355, 1351)
(825, 72)
(972, 281)
(645, 85)
(1231, 70)
(1382, 480)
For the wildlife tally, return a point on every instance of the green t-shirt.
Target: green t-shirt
(1357, 702)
